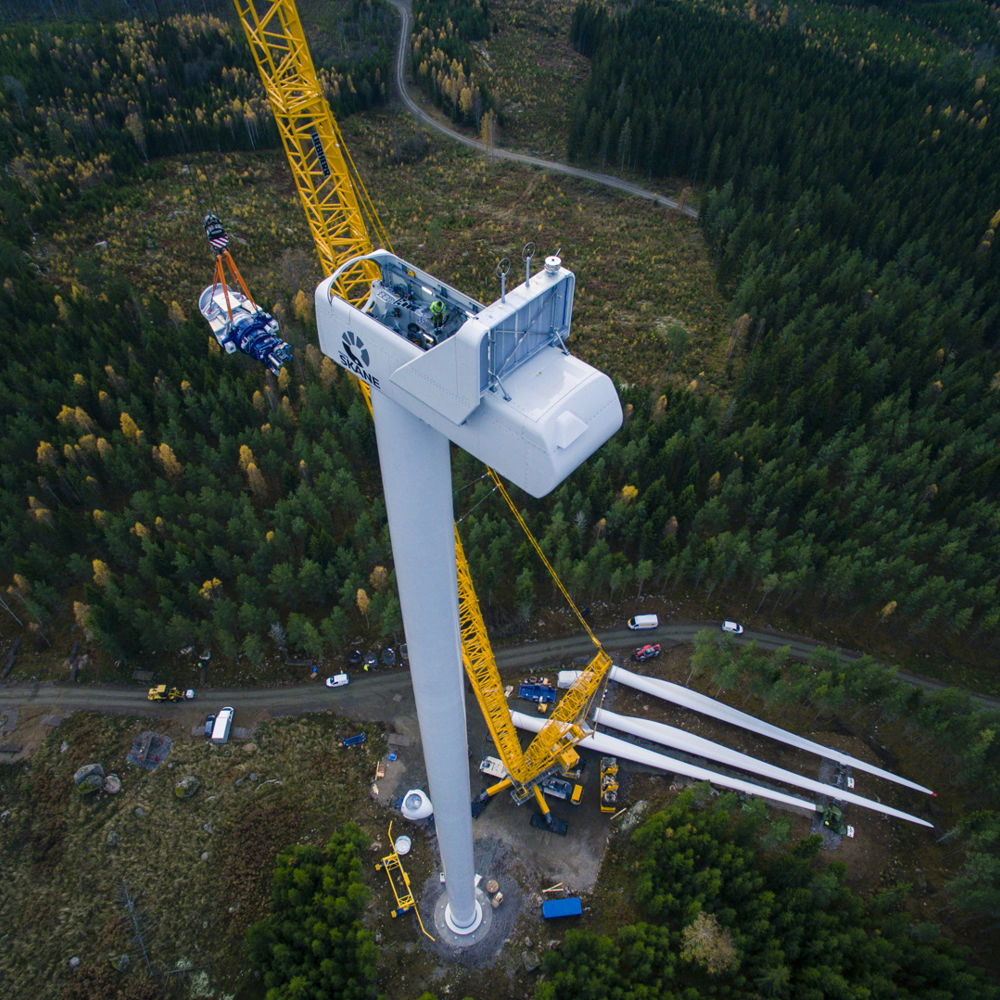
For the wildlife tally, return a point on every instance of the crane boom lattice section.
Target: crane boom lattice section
(337, 207)
(567, 725)
(553, 746)
(481, 668)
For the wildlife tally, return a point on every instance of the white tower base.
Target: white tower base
(448, 938)
(416, 476)
(450, 922)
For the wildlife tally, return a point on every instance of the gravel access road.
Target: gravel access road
(377, 695)
(431, 121)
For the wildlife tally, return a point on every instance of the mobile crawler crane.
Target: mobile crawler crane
(343, 223)
(496, 380)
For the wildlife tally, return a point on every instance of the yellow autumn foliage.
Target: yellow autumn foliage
(129, 428)
(255, 479)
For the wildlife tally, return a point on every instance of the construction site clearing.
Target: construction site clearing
(565, 857)
(513, 845)
(521, 859)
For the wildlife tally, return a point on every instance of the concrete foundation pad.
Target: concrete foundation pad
(447, 937)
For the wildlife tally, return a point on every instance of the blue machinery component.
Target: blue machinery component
(257, 335)
(571, 906)
(538, 693)
(237, 322)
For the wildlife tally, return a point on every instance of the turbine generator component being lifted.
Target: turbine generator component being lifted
(499, 382)
(237, 322)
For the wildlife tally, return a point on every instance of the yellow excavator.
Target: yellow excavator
(344, 226)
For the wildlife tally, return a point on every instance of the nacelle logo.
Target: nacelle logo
(354, 357)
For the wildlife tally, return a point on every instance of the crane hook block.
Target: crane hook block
(218, 238)
(496, 380)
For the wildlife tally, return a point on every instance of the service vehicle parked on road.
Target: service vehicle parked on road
(164, 693)
(643, 621)
(223, 723)
(643, 653)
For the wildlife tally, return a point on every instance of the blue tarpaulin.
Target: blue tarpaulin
(569, 907)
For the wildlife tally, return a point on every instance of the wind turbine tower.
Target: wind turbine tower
(499, 382)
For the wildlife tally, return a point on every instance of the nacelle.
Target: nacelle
(496, 380)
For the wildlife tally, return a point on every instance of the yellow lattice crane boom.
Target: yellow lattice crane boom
(343, 222)
(341, 216)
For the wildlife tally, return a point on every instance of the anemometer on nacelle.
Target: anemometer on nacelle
(496, 380)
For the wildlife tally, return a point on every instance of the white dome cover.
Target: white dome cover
(416, 805)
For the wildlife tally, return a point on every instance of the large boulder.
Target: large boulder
(89, 779)
(90, 784)
(186, 787)
(86, 770)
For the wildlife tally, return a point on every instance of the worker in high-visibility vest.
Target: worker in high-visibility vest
(437, 314)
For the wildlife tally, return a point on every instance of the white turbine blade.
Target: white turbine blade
(685, 698)
(604, 744)
(676, 739)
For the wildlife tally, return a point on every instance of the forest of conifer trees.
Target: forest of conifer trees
(156, 494)
(150, 491)
(726, 909)
(441, 58)
(848, 206)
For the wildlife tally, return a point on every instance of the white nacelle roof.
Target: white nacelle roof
(558, 409)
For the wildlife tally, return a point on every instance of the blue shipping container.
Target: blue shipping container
(569, 907)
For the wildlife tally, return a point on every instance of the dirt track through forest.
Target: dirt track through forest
(376, 696)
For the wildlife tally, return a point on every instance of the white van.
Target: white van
(732, 627)
(223, 723)
(643, 621)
